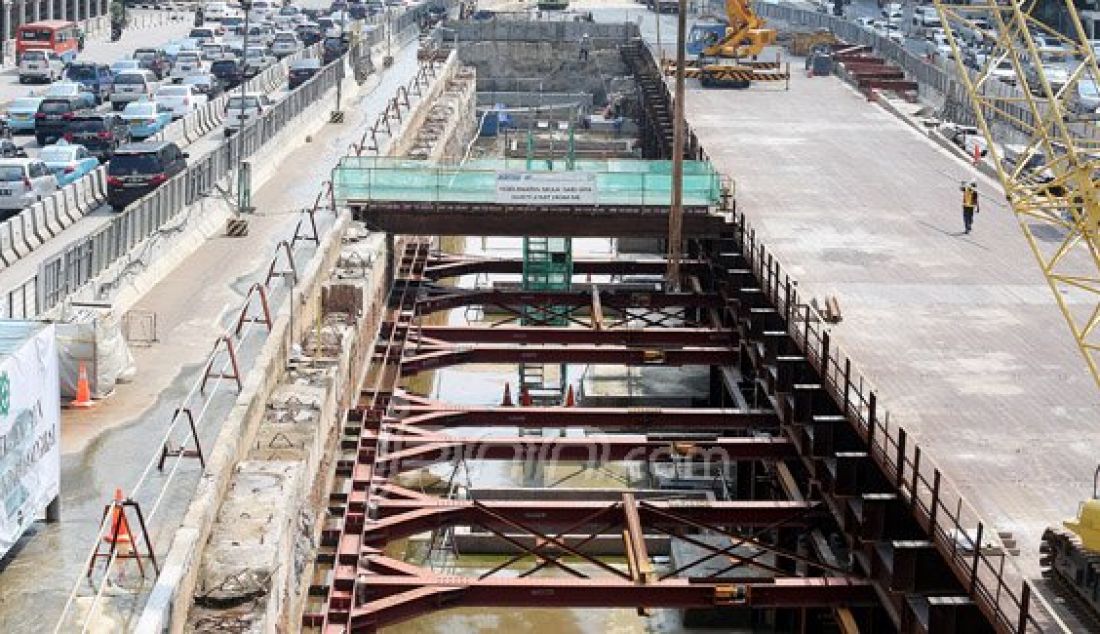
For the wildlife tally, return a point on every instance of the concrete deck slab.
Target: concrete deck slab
(958, 332)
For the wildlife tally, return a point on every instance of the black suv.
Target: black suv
(228, 72)
(139, 168)
(301, 71)
(153, 59)
(333, 48)
(309, 34)
(53, 116)
(100, 134)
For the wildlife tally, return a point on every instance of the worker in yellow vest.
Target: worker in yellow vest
(970, 203)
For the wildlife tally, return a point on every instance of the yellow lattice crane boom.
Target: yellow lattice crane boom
(1034, 97)
(1043, 141)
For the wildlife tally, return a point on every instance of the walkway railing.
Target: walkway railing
(954, 526)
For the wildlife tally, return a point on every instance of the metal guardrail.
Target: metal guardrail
(954, 526)
(87, 257)
(66, 272)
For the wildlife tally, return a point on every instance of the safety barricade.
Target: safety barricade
(49, 226)
(7, 248)
(70, 210)
(99, 185)
(25, 240)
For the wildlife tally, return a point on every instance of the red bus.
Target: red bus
(60, 36)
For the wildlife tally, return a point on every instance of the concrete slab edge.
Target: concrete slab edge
(172, 592)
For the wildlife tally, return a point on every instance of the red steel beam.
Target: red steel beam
(608, 299)
(431, 359)
(445, 266)
(645, 337)
(650, 418)
(398, 518)
(392, 598)
(406, 452)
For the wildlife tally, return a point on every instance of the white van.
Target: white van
(44, 66)
(133, 85)
(24, 181)
(240, 110)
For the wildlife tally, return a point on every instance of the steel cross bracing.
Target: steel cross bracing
(809, 473)
(391, 432)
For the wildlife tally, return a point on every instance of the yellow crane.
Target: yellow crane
(1034, 96)
(725, 51)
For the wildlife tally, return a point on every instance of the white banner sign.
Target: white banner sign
(30, 420)
(546, 188)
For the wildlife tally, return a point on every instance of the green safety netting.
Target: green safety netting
(629, 182)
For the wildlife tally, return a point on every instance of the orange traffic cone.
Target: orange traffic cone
(507, 400)
(83, 392)
(524, 397)
(118, 531)
(977, 154)
(570, 399)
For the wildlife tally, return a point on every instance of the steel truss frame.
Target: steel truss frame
(391, 431)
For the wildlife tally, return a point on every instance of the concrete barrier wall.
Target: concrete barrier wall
(173, 592)
(171, 596)
(522, 31)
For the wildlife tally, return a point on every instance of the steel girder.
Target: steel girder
(404, 451)
(648, 418)
(443, 265)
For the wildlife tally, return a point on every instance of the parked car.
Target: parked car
(285, 43)
(139, 168)
(333, 48)
(8, 149)
(71, 89)
(214, 51)
(261, 9)
(1086, 98)
(205, 84)
(256, 59)
(228, 71)
(24, 181)
(20, 114)
(203, 35)
(240, 110)
(233, 24)
(101, 134)
(301, 71)
(133, 85)
(153, 59)
(179, 100)
(40, 66)
(188, 63)
(95, 78)
(145, 119)
(927, 17)
(215, 11)
(54, 114)
(68, 161)
(309, 34)
(260, 34)
(125, 64)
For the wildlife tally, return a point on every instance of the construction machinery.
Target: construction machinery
(724, 51)
(1046, 153)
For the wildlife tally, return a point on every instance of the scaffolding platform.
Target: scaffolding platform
(624, 197)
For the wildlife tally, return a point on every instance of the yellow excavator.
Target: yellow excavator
(724, 51)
